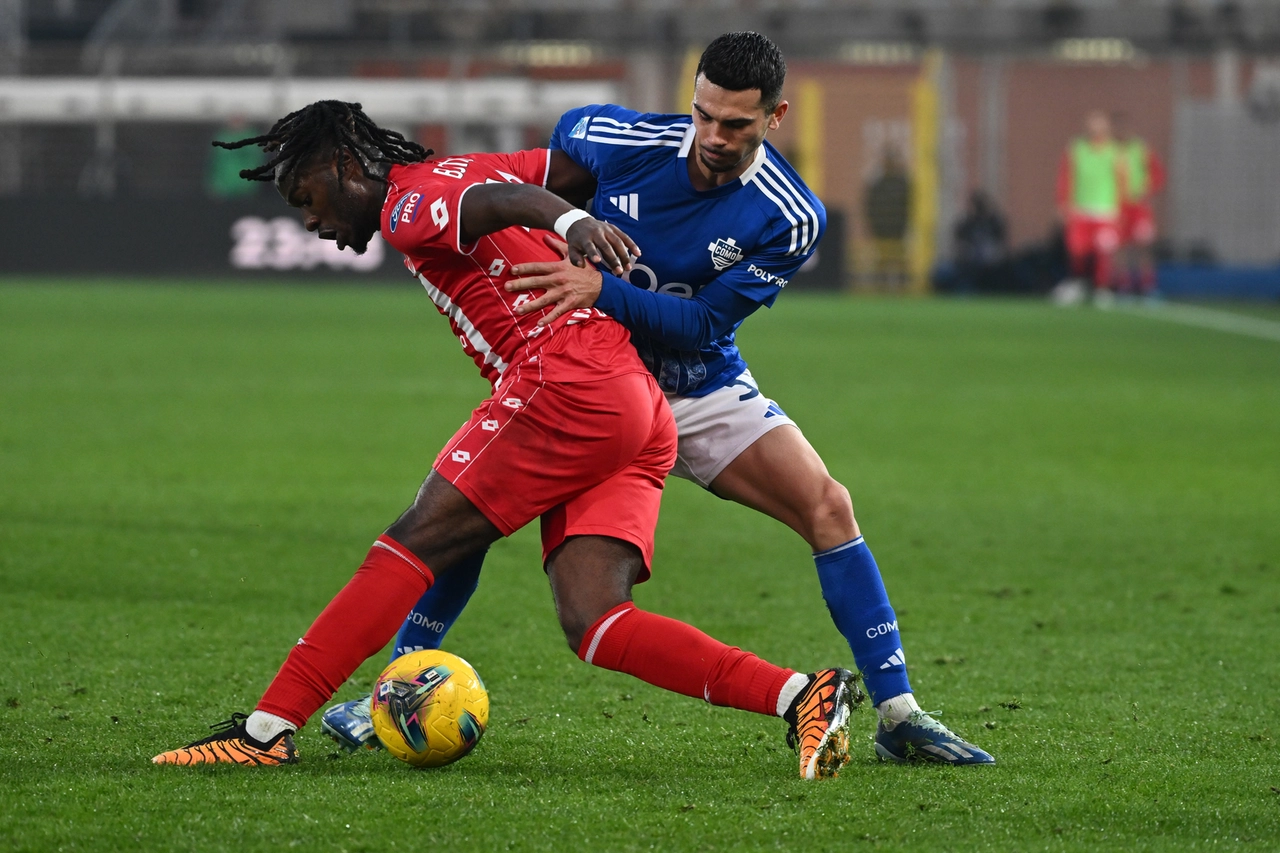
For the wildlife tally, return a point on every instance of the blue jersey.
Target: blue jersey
(739, 243)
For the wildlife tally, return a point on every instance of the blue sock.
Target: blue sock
(860, 607)
(437, 610)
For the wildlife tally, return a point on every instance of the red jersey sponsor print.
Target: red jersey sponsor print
(421, 219)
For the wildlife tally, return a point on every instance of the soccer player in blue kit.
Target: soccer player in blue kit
(723, 222)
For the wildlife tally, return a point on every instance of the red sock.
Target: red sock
(680, 658)
(1102, 270)
(359, 621)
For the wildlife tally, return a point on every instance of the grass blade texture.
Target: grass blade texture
(1075, 513)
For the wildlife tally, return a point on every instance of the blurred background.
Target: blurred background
(937, 132)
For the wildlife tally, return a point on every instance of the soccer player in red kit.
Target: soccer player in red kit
(576, 433)
(1090, 190)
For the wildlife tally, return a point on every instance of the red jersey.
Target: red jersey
(421, 219)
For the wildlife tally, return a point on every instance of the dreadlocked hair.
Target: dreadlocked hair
(320, 128)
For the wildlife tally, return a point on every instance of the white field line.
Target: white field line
(1209, 318)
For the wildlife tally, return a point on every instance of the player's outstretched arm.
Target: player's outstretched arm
(487, 208)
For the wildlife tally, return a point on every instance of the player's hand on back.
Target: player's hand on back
(568, 286)
(598, 242)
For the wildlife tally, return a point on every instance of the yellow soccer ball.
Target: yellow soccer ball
(429, 708)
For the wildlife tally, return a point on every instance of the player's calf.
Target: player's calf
(434, 614)
(680, 658)
(589, 576)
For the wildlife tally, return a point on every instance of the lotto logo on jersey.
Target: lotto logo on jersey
(725, 253)
(406, 210)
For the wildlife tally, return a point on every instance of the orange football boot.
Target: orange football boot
(231, 744)
(819, 719)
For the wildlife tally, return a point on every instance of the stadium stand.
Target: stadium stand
(115, 100)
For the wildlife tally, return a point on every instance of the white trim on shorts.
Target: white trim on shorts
(714, 430)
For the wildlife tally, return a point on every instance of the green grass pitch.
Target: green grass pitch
(1075, 512)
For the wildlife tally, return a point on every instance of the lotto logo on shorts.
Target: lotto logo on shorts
(489, 425)
(461, 456)
(513, 402)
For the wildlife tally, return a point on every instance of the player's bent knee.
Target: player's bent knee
(579, 606)
(574, 616)
(589, 576)
(574, 631)
(576, 621)
(442, 527)
(837, 501)
(831, 520)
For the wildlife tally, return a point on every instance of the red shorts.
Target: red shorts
(1137, 224)
(590, 458)
(1087, 235)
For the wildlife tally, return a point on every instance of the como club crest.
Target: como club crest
(725, 253)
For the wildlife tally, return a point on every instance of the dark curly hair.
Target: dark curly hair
(322, 128)
(739, 61)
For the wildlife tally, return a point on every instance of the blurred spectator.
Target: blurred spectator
(1090, 179)
(981, 246)
(1144, 177)
(888, 209)
(223, 178)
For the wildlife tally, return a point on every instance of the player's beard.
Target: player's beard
(360, 243)
(350, 207)
(718, 166)
(723, 166)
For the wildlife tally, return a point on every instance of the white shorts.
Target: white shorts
(716, 428)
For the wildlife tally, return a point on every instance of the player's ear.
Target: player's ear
(351, 168)
(775, 118)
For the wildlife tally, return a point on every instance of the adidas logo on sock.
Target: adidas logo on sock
(898, 658)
